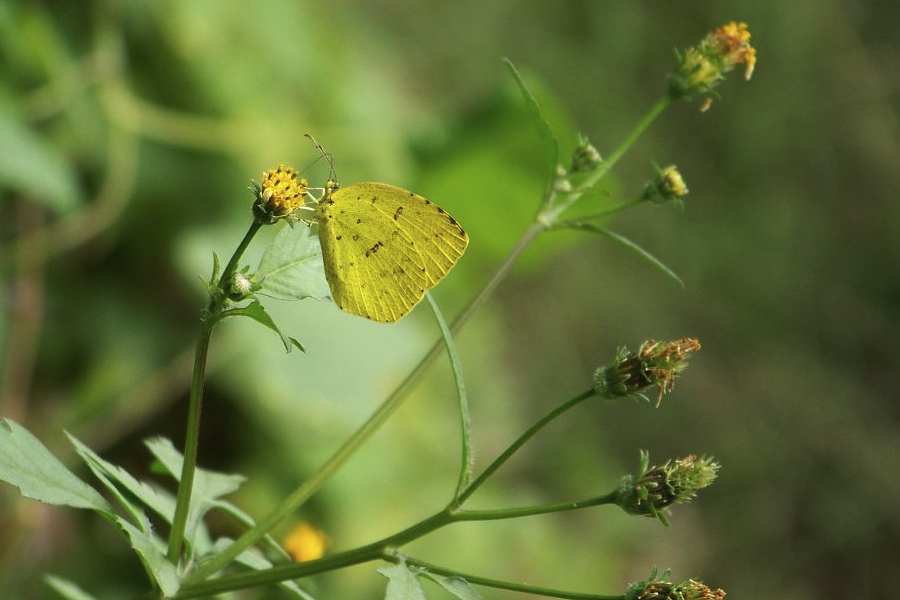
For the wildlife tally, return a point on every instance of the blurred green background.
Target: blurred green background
(129, 132)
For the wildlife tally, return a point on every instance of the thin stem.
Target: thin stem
(192, 438)
(551, 213)
(231, 267)
(195, 404)
(611, 210)
(514, 447)
(527, 238)
(507, 585)
(530, 511)
(380, 550)
(384, 549)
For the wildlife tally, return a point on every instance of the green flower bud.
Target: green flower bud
(653, 489)
(654, 364)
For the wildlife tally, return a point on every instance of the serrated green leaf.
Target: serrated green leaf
(159, 501)
(403, 584)
(258, 313)
(634, 247)
(456, 585)
(545, 132)
(67, 589)
(25, 151)
(291, 268)
(39, 475)
(208, 485)
(28, 465)
(152, 552)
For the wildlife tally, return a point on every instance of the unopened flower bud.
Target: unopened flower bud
(662, 589)
(654, 364)
(241, 287)
(586, 157)
(652, 489)
(668, 186)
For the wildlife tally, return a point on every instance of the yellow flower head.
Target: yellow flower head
(700, 69)
(669, 186)
(733, 41)
(280, 194)
(305, 542)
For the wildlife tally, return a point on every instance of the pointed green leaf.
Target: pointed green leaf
(28, 465)
(467, 456)
(456, 585)
(159, 501)
(545, 132)
(291, 268)
(258, 313)
(643, 254)
(152, 552)
(67, 589)
(403, 584)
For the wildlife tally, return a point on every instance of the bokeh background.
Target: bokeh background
(129, 132)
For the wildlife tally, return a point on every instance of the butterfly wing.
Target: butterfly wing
(384, 247)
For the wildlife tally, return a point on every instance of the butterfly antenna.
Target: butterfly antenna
(329, 158)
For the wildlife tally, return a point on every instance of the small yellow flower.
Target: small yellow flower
(733, 41)
(280, 194)
(669, 186)
(305, 542)
(700, 69)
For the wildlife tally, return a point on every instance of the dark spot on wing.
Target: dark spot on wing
(374, 248)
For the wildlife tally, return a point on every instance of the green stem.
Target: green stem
(551, 213)
(384, 549)
(527, 238)
(192, 437)
(380, 550)
(231, 267)
(530, 511)
(616, 208)
(508, 585)
(530, 433)
(195, 404)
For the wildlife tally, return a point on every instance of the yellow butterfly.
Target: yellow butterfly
(384, 247)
